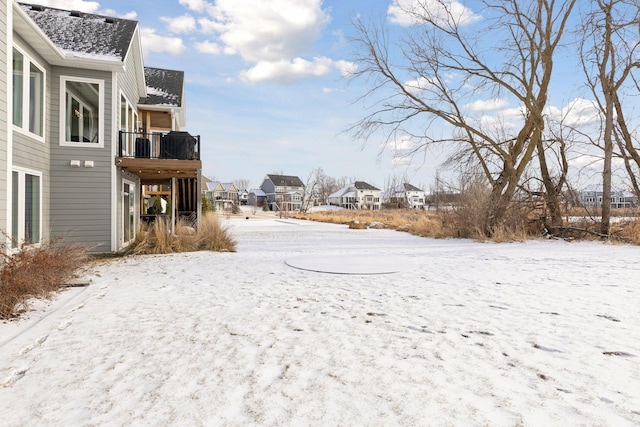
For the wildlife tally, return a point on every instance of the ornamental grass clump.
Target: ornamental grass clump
(36, 271)
(157, 238)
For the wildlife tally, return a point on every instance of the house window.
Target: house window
(129, 124)
(26, 198)
(81, 112)
(129, 213)
(28, 95)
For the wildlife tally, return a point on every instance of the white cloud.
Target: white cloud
(285, 71)
(81, 5)
(580, 111)
(347, 68)
(486, 105)
(110, 12)
(267, 30)
(195, 5)
(209, 47)
(180, 24)
(408, 12)
(416, 86)
(403, 144)
(152, 42)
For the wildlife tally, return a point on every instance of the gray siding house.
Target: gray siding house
(70, 114)
(283, 192)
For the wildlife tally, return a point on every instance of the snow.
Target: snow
(465, 333)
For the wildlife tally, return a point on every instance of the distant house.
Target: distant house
(283, 192)
(358, 195)
(256, 197)
(406, 196)
(591, 197)
(222, 195)
(243, 197)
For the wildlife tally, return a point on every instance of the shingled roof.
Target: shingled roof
(409, 187)
(361, 185)
(83, 34)
(286, 180)
(164, 87)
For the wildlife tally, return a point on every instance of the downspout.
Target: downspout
(116, 184)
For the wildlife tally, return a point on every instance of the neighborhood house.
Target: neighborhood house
(358, 195)
(282, 192)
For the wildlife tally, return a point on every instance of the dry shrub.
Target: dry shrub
(36, 271)
(158, 239)
(357, 225)
(628, 231)
(215, 236)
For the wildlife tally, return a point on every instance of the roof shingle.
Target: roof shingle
(84, 34)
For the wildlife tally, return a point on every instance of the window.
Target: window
(128, 211)
(81, 112)
(26, 197)
(129, 124)
(28, 96)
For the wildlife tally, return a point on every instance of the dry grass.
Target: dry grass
(158, 239)
(36, 271)
(521, 223)
(458, 223)
(419, 222)
(628, 230)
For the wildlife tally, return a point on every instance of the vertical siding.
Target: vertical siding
(81, 197)
(4, 126)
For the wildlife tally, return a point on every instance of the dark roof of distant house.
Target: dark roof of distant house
(361, 185)
(164, 87)
(285, 180)
(82, 33)
(409, 187)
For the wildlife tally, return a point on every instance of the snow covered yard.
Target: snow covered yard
(464, 333)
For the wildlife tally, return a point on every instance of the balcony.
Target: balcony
(156, 157)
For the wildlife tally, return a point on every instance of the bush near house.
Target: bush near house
(157, 238)
(36, 271)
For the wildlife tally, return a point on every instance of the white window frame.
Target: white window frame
(63, 112)
(27, 61)
(126, 211)
(131, 121)
(21, 208)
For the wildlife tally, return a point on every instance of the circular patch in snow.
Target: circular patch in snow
(349, 264)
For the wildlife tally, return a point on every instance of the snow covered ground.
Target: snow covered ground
(462, 333)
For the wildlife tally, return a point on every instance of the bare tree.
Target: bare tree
(609, 53)
(242, 184)
(443, 63)
(327, 185)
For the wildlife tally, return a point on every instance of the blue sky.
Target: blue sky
(265, 83)
(267, 87)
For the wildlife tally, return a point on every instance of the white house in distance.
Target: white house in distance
(406, 196)
(591, 197)
(358, 195)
